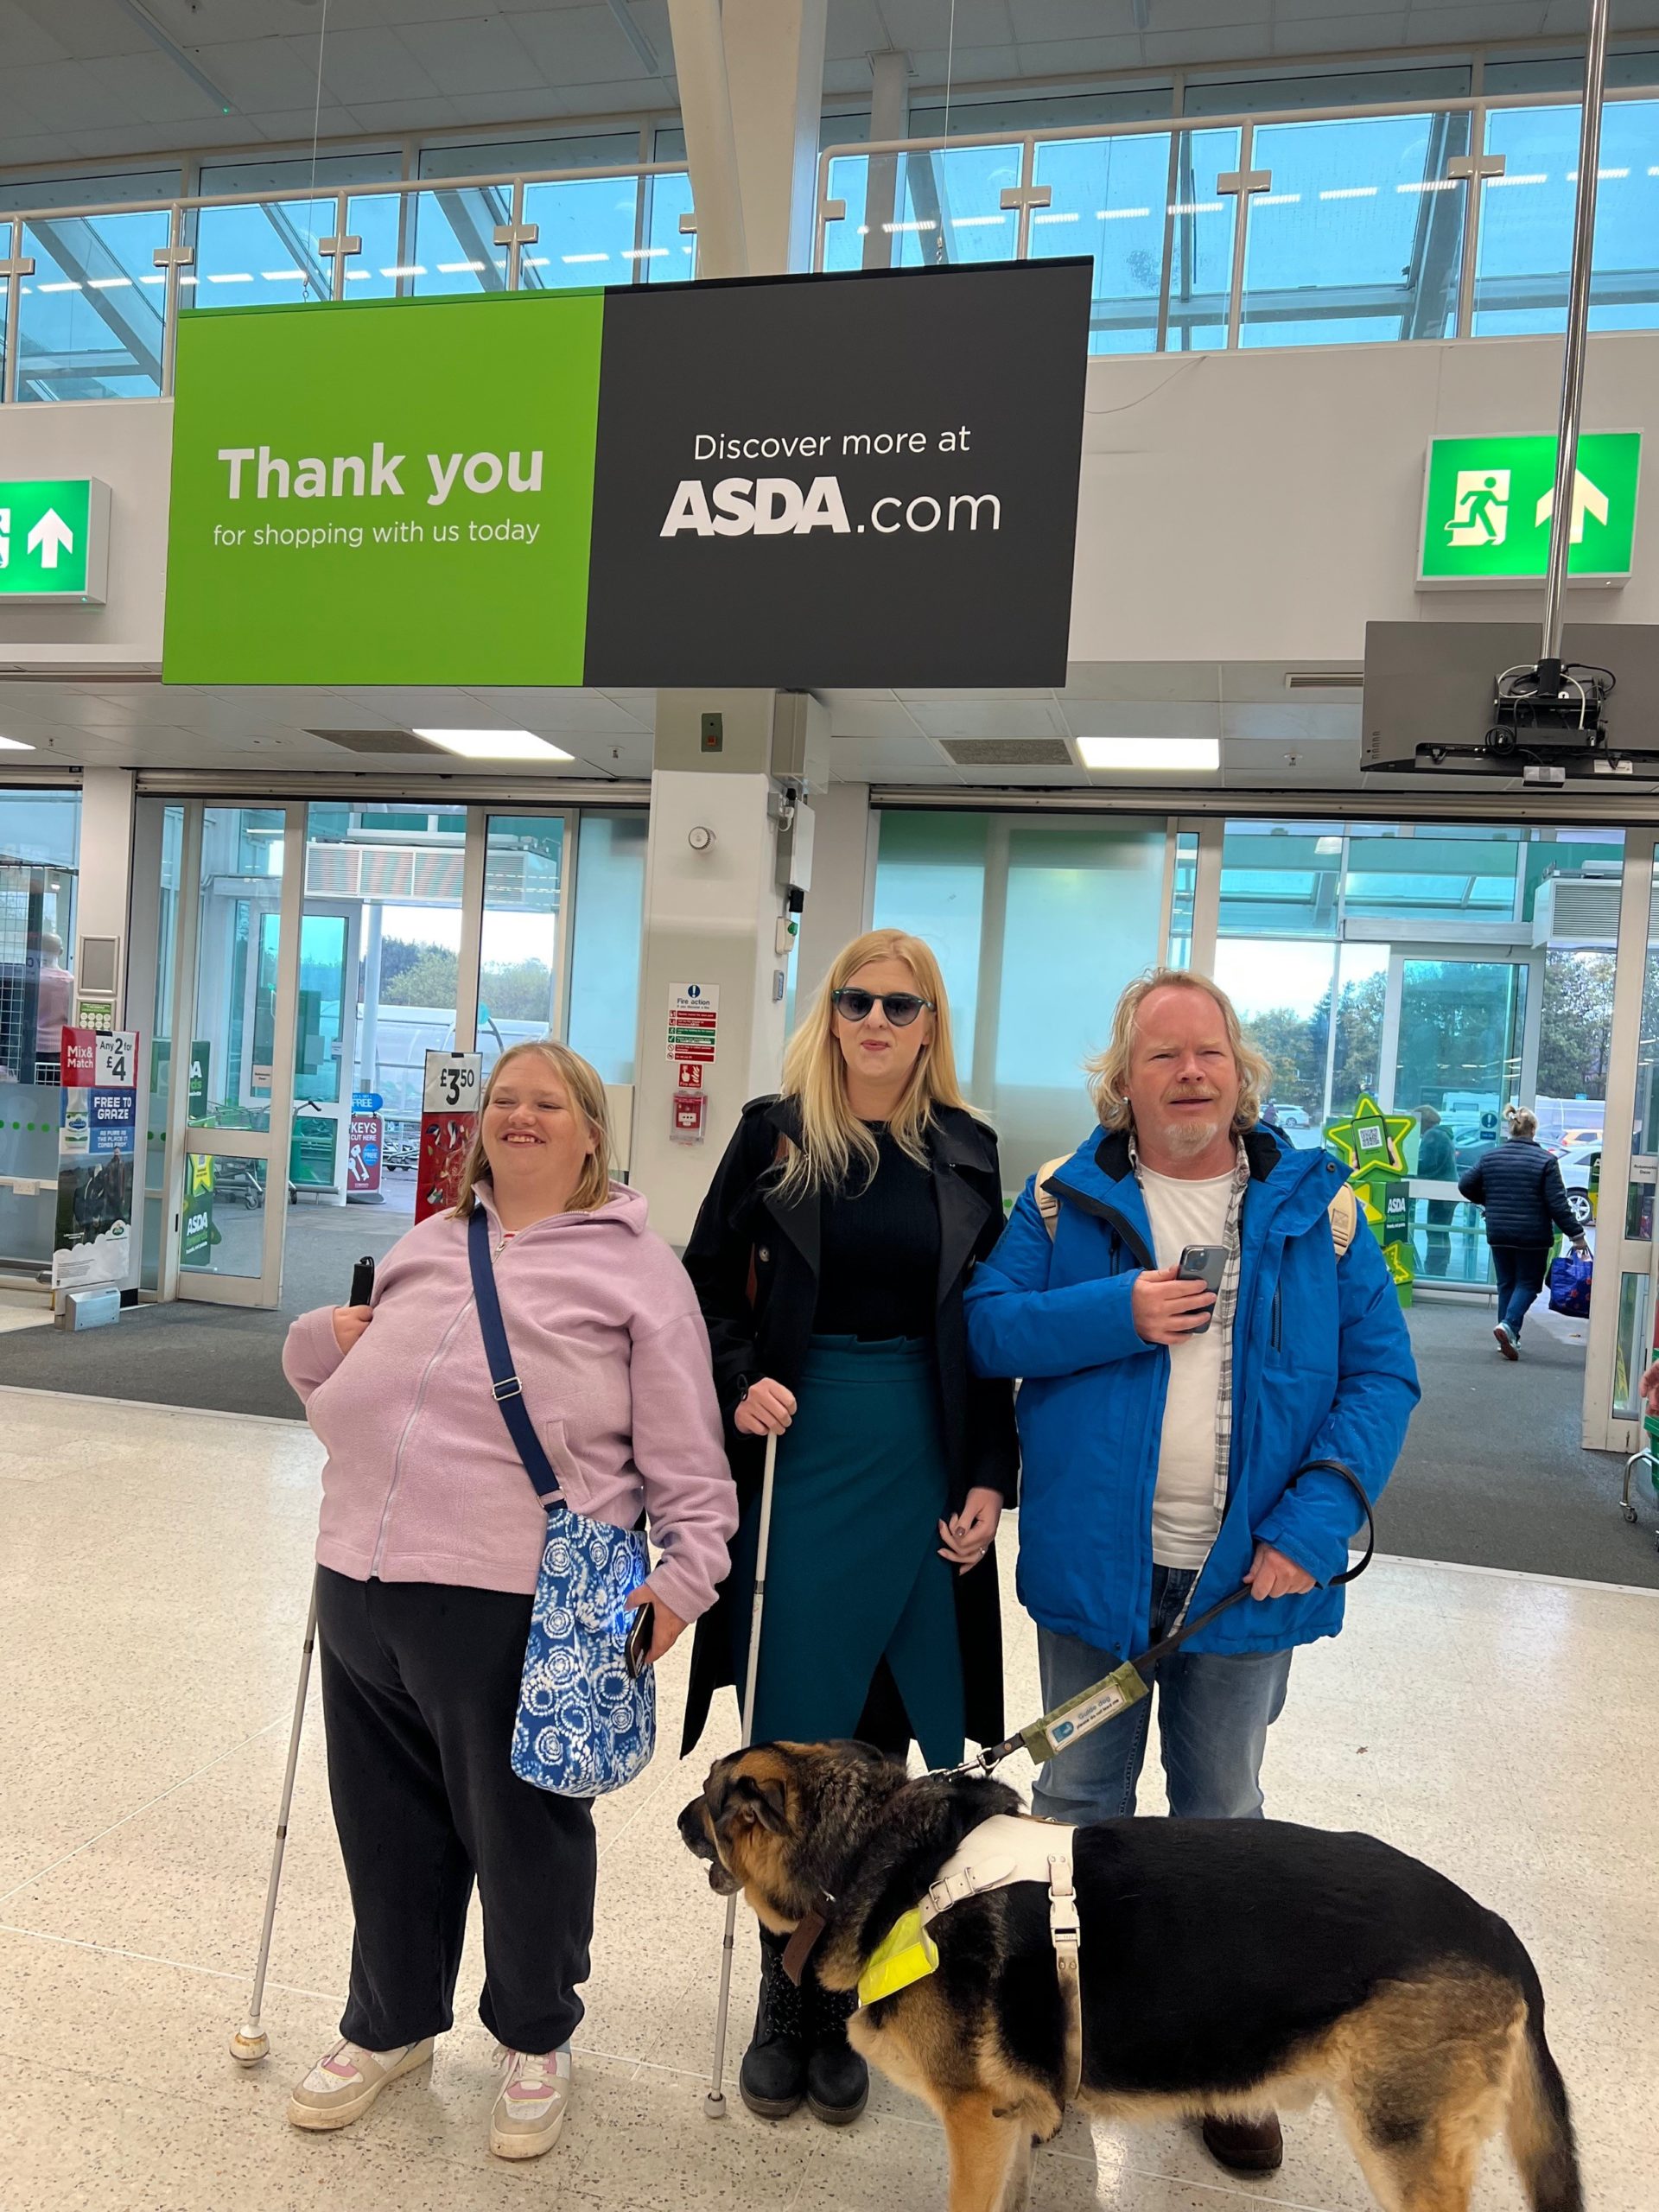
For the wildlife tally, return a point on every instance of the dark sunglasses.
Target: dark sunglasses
(901, 1007)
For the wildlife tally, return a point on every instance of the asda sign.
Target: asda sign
(793, 481)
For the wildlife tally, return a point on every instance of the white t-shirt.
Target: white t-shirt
(1184, 1518)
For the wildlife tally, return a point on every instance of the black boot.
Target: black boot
(837, 2080)
(772, 2078)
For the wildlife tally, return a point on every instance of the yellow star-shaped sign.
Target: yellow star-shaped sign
(1369, 1139)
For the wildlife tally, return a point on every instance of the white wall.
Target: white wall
(1263, 506)
(1252, 507)
(129, 443)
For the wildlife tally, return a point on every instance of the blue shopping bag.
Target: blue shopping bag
(1569, 1285)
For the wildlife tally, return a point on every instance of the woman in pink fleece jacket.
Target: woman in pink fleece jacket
(428, 1556)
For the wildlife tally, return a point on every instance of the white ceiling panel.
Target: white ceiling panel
(372, 65)
(1064, 57)
(871, 718)
(151, 89)
(973, 65)
(1339, 34)
(583, 45)
(991, 718)
(1142, 718)
(914, 25)
(480, 56)
(1238, 42)
(264, 73)
(26, 35)
(1294, 724)
(915, 762)
(1149, 680)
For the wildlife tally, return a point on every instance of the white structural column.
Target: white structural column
(710, 148)
(844, 884)
(889, 118)
(712, 913)
(751, 78)
(105, 873)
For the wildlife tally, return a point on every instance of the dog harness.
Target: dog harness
(1009, 1848)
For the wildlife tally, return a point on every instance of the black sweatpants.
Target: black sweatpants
(420, 1686)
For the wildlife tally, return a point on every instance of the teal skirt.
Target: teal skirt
(853, 1572)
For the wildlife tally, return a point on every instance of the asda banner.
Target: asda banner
(868, 480)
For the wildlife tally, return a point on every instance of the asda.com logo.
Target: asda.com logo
(777, 506)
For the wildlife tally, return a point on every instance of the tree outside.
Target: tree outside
(428, 974)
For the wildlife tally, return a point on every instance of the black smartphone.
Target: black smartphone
(362, 1280)
(1203, 1263)
(638, 1643)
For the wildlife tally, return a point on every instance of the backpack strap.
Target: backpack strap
(1342, 1211)
(509, 1391)
(1048, 1205)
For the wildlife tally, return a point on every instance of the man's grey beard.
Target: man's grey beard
(1189, 1138)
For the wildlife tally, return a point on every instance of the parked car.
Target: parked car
(1575, 1162)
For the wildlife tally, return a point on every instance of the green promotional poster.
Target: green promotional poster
(346, 481)
(1489, 506)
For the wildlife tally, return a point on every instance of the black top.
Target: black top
(879, 1250)
(1520, 1185)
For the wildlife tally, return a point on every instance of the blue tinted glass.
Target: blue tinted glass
(381, 269)
(1526, 220)
(950, 207)
(843, 241)
(587, 228)
(1108, 200)
(453, 247)
(260, 256)
(1360, 238)
(671, 253)
(89, 318)
(1201, 234)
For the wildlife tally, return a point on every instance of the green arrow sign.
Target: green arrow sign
(1489, 503)
(55, 537)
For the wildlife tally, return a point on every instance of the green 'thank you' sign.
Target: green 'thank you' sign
(1489, 505)
(54, 537)
(348, 479)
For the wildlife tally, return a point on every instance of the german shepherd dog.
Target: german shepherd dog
(1227, 1966)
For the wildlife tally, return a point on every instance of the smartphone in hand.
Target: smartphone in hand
(1204, 1264)
(638, 1643)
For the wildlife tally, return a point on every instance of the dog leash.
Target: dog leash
(1077, 1716)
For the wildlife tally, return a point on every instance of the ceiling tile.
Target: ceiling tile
(480, 56)
(583, 45)
(868, 718)
(1176, 680)
(1142, 718)
(155, 90)
(915, 25)
(368, 65)
(1240, 42)
(1058, 57)
(1340, 34)
(264, 73)
(31, 34)
(991, 718)
(855, 29)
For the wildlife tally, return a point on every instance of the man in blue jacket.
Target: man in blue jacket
(1161, 1425)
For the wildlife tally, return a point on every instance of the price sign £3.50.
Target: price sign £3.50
(454, 1083)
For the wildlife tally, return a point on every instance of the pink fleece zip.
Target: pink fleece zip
(422, 1482)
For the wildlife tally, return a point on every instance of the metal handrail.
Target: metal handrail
(1020, 200)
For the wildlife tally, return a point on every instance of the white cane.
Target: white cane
(714, 2104)
(251, 2044)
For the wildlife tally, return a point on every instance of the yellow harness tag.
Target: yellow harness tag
(906, 1953)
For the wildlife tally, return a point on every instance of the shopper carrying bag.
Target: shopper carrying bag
(1519, 1185)
(532, 1375)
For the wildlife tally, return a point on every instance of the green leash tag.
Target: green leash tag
(1079, 1716)
(906, 1953)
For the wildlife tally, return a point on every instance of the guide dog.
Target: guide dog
(1226, 1967)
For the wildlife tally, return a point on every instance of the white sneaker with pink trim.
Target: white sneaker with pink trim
(534, 2099)
(346, 2080)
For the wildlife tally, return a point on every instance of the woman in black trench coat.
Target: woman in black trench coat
(830, 1258)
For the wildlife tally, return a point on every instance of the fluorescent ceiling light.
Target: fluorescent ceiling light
(495, 744)
(16, 745)
(1188, 754)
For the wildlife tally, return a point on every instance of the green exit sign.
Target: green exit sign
(1489, 508)
(55, 541)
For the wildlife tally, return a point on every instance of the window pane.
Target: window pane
(1201, 250)
(239, 892)
(950, 207)
(1526, 220)
(90, 319)
(257, 255)
(1360, 238)
(1079, 908)
(518, 963)
(610, 907)
(38, 832)
(378, 270)
(1279, 878)
(1356, 88)
(843, 241)
(587, 233)
(299, 177)
(1108, 201)
(453, 247)
(22, 196)
(670, 253)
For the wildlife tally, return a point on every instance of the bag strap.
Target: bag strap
(508, 1390)
(1344, 1209)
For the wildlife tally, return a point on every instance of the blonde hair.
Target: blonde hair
(1522, 1121)
(587, 1094)
(815, 1071)
(1108, 1072)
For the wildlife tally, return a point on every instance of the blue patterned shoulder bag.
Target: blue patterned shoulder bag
(585, 1724)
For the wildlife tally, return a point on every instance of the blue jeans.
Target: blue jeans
(1520, 1269)
(1214, 1710)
